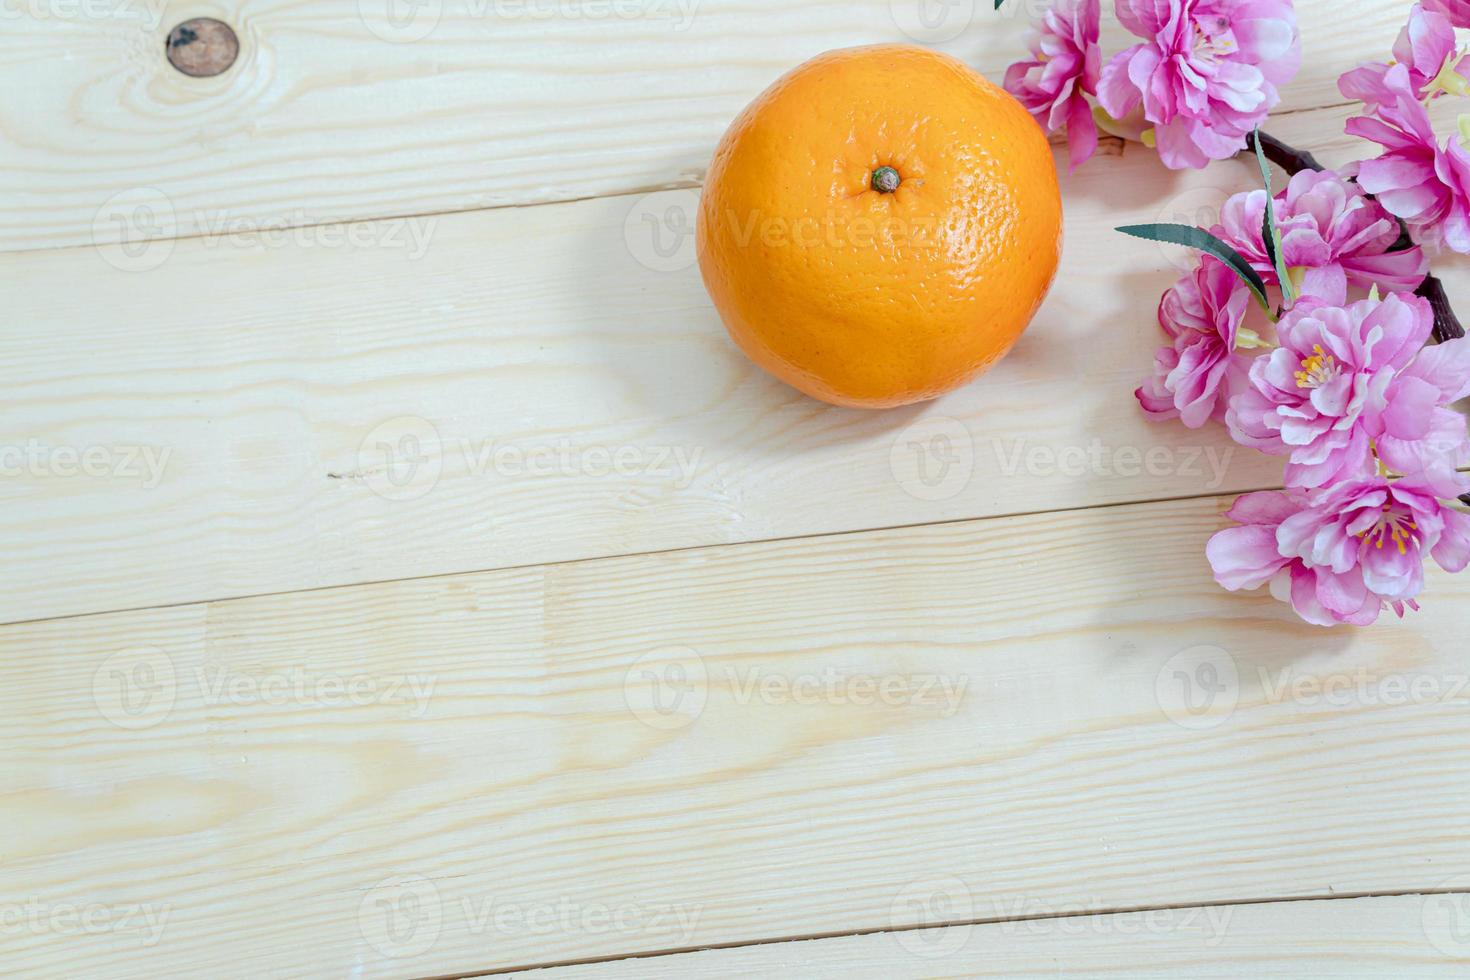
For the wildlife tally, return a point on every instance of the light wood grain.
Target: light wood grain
(745, 743)
(264, 409)
(1364, 937)
(264, 374)
(168, 758)
(497, 102)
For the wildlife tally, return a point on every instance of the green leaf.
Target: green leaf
(999, 4)
(1205, 242)
(1271, 232)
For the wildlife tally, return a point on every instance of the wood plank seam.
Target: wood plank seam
(754, 542)
(1065, 781)
(693, 182)
(957, 923)
(571, 334)
(253, 136)
(1047, 950)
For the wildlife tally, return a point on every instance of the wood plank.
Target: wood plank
(248, 439)
(333, 112)
(1400, 936)
(242, 445)
(729, 745)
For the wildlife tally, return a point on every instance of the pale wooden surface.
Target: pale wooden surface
(1363, 937)
(537, 772)
(322, 118)
(463, 773)
(531, 329)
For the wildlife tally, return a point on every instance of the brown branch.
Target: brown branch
(1447, 326)
(1285, 156)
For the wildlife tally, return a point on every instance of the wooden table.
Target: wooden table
(405, 577)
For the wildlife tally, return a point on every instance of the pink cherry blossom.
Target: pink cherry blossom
(1064, 69)
(1458, 11)
(1421, 434)
(1341, 554)
(1248, 557)
(1329, 228)
(1329, 390)
(1197, 373)
(1426, 184)
(1426, 48)
(1385, 528)
(1206, 74)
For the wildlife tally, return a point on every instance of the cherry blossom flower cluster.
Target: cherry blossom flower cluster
(1206, 73)
(1332, 369)
(1418, 178)
(1203, 76)
(1341, 382)
(1358, 406)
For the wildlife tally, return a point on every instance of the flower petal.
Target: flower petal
(1393, 572)
(1411, 401)
(1446, 366)
(1244, 557)
(1452, 552)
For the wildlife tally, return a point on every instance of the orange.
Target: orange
(880, 225)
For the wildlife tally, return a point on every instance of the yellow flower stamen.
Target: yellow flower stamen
(1317, 370)
(1395, 526)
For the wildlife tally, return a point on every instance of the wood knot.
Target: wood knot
(202, 47)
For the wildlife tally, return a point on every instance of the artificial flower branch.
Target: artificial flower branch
(1411, 448)
(1348, 387)
(1447, 325)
